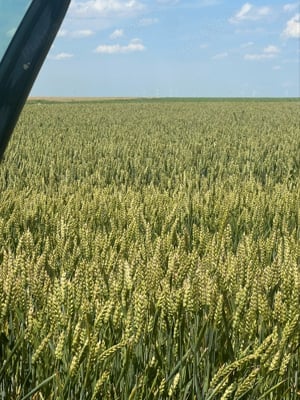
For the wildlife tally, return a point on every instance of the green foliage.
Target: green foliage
(151, 250)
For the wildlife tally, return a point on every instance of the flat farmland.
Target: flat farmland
(150, 249)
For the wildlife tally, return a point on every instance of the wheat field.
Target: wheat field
(151, 250)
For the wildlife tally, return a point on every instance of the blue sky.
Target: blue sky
(198, 48)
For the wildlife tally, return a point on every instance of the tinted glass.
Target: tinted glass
(11, 14)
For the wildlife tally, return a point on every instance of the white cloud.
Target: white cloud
(148, 21)
(271, 49)
(167, 1)
(292, 29)
(207, 3)
(261, 56)
(105, 8)
(220, 56)
(276, 67)
(290, 7)
(135, 45)
(248, 44)
(244, 11)
(116, 34)
(250, 13)
(62, 56)
(83, 33)
(290, 60)
(249, 31)
(11, 32)
(62, 33)
(268, 52)
(189, 4)
(204, 46)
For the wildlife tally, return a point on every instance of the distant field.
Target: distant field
(75, 99)
(150, 249)
(154, 99)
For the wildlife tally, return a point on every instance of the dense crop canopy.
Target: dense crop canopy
(151, 250)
